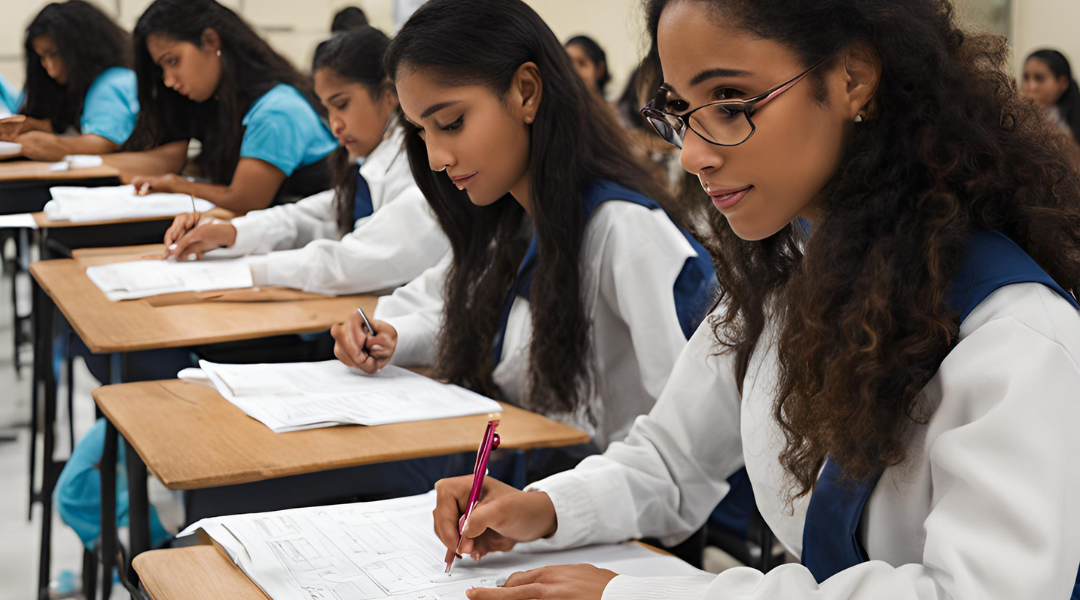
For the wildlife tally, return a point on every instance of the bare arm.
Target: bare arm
(39, 145)
(168, 158)
(253, 186)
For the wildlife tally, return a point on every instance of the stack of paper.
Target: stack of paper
(387, 549)
(9, 149)
(142, 278)
(80, 204)
(295, 396)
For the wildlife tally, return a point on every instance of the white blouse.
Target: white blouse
(387, 249)
(631, 257)
(986, 506)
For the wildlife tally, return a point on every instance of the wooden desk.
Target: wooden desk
(34, 170)
(190, 437)
(132, 325)
(202, 572)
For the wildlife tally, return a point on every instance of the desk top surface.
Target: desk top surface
(191, 437)
(143, 324)
(33, 170)
(196, 572)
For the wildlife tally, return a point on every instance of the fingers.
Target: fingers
(451, 495)
(523, 592)
(340, 340)
(349, 346)
(181, 225)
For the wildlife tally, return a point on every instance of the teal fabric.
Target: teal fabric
(283, 129)
(111, 105)
(78, 491)
(10, 97)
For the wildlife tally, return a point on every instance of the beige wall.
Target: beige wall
(294, 27)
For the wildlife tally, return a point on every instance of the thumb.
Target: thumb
(485, 516)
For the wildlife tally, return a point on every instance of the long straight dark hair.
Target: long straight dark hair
(249, 69)
(357, 56)
(1069, 102)
(575, 141)
(89, 43)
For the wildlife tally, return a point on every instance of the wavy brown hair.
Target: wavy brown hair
(949, 149)
(574, 141)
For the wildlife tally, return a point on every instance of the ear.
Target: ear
(527, 88)
(862, 74)
(389, 97)
(211, 41)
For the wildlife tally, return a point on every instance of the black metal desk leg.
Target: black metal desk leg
(50, 469)
(138, 511)
(108, 539)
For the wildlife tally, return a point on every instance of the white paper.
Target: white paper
(84, 161)
(387, 549)
(25, 220)
(142, 278)
(296, 396)
(81, 204)
(10, 149)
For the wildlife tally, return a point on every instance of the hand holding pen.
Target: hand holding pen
(363, 344)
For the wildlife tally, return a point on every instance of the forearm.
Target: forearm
(162, 160)
(229, 197)
(46, 146)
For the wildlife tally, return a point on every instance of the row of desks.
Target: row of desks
(187, 435)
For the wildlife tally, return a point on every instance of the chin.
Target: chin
(754, 231)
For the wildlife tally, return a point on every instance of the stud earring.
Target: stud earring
(859, 119)
(219, 53)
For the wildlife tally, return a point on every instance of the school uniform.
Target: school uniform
(11, 98)
(111, 105)
(645, 286)
(395, 236)
(984, 506)
(283, 129)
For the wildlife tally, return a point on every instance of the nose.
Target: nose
(439, 157)
(699, 157)
(337, 126)
(170, 80)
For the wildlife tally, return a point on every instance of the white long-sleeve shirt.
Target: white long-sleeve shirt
(985, 507)
(631, 258)
(389, 248)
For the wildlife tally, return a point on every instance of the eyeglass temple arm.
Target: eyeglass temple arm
(760, 101)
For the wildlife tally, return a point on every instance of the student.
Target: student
(569, 291)
(590, 62)
(78, 81)
(374, 231)
(10, 99)
(205, 74)
(348, 18)
(927, 184)
(1048, 80)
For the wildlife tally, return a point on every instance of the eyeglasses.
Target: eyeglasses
(721, 123)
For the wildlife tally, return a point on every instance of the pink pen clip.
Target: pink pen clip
(490, 442)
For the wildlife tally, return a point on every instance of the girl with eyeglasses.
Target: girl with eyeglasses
(569, 291)
(894, 356)
(79, 96)
(205, 74)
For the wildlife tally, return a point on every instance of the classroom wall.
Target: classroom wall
(294, 27)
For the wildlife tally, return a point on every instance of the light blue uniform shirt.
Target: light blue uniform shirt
(284, 130)
(111, 105)
(10, 97)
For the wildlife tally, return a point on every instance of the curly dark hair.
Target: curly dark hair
(574, 141)
(949, 149)
(89, 43)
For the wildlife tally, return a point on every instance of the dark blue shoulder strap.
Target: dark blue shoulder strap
(694, 287)
(830, 535)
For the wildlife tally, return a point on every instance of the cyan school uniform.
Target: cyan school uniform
(111, 105)
(11, 98)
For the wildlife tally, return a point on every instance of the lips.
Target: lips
(728, 198)
(461, 180)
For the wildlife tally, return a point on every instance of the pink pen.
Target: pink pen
(490, 442)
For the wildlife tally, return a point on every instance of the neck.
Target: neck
(520, 192)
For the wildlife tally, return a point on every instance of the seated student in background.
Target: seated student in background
(205, 74)
(1048, 80)
(590, 62)
(80, 94)
(904, 447)
(11, 99)
(348, 18)
(374, 231)
(569, 292)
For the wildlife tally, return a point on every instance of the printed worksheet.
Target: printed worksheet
(143, 278)
(295, 396)
(387, 549)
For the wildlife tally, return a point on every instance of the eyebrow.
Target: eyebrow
(714, 73)
(331, 98)
(434, 108)
(157, 61)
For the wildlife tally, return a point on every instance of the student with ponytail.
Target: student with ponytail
(894, 357)
(1048, 80)
(374, 230)
(569, 291)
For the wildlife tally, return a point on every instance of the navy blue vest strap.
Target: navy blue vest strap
(693, 290)
(362, 206)
(830, 534)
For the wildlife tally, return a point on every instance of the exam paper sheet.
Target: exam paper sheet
(143, 278)
(296, 396)
(387, 549)
(82, 204)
